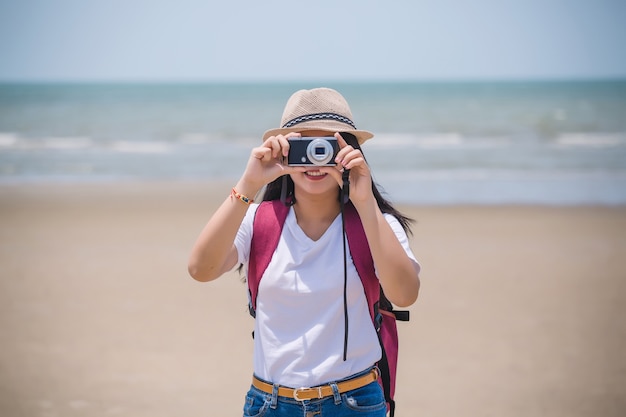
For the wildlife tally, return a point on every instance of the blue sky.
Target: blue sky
(192, 40)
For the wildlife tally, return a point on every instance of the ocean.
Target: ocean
(548, 143)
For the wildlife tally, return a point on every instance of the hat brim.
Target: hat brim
(326, 126)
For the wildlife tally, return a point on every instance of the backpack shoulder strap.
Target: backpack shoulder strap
(381, 310)
(267, 227)
(362, 258)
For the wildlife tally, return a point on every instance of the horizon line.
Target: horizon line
(257, 81)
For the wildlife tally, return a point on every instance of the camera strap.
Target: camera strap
(345, 196)
(345, 189)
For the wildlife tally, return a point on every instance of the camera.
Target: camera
(312, 151)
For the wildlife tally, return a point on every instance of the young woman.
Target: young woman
(300, 306)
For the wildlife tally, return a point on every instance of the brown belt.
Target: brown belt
(301, 394)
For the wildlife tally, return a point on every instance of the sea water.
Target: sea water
(555, 143)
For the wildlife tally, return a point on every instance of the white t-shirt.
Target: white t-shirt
(299, 326)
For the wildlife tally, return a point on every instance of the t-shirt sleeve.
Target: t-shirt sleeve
(244, 235)
(402, 238)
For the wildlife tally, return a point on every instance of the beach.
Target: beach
(522, 309)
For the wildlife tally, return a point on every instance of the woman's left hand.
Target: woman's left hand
(360, 175)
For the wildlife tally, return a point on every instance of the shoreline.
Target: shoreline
(186, 187)
(520, 312)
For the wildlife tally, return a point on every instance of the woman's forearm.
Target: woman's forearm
(213, 253)
(396, 271)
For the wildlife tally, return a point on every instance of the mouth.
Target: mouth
(315, 174)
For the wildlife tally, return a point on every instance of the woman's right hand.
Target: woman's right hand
(214, 252)
(266, 164)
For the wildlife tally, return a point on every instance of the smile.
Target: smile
(316, 174)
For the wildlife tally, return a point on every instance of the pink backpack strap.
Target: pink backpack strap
(362, 258)
(384, 320)
(267, 228)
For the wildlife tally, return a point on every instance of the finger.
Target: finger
(342, 155)
(350, 157)
(356, 161)
(284, 144)
(273, 143)
(289, 136)
(276, 146)
(262, 153)
(340, 140)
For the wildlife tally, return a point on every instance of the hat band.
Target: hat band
(319, 116)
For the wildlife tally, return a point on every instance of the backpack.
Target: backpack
(268, 224)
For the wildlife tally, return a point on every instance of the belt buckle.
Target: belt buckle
(297, 391)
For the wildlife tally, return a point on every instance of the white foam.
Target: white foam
(195, 139)
(429, 140)
(8, 140)
(591, 140)
(444, 140)
(66, 143)
(436, 141)
(502, 174)
(13, 141)
(140, 147)
(391, 140)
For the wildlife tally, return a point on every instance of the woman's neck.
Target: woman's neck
(312, 208)
(315, 214)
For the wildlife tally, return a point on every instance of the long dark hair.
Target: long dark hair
(284, 186)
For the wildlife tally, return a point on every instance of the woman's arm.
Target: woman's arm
(214, 252)
(398, 274)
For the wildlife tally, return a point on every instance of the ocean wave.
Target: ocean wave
(591, 140)
(407, 140)
(501, 174)
(435, 141)
(195, 139)
(67, 143)
(10, 141)
(201, 139)
(140, 147)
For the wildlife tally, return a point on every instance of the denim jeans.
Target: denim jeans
(367, 401)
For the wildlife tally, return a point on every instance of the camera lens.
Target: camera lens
(319, 151)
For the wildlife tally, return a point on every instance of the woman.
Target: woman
(300, 310)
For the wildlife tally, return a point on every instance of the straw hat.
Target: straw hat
(318, 109)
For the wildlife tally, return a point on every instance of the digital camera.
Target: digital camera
(312, 151)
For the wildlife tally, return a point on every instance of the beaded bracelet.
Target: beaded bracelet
(241, 197)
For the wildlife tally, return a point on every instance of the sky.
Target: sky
(272, 40)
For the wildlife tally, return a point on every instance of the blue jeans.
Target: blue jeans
(367, 401)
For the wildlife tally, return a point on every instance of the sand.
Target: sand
(522, 310)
